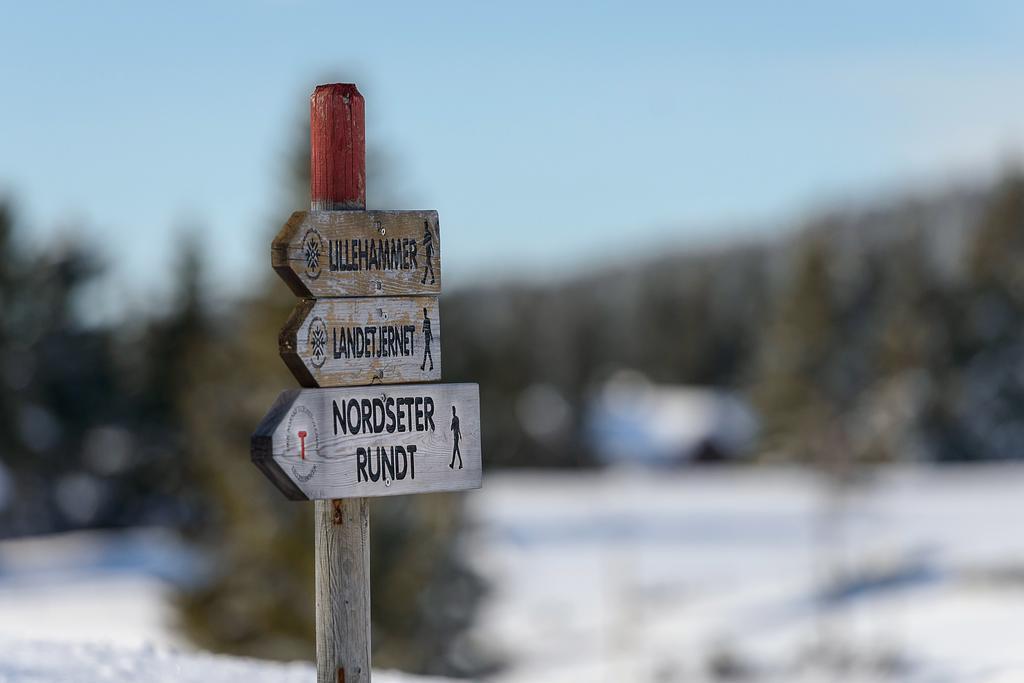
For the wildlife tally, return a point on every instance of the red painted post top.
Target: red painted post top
(337, 132)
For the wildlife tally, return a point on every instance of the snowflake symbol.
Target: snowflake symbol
(318, 342)
(312, 248)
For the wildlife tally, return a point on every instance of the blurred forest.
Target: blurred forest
(875, 333)
(872, 333)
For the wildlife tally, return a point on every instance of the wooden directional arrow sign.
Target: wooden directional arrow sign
(359, 253)
(345, 342)
(371, 441)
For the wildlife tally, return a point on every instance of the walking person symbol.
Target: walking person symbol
(428, 337)
(428, 247)
(456, 434)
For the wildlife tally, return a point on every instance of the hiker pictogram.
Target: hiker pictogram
(456, 436)
(428, 248)
(428, 337)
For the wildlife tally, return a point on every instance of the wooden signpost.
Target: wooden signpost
(369, 321)
(340, 342)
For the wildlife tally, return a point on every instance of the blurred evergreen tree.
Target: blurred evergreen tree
(58, 382)
(989, 343)
(790, 388)
(994, 266)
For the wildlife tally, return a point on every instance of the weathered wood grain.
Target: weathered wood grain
(372, 441)
(359, 253)
(342, 590)
(348, 342)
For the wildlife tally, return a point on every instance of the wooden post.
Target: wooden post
(337, 154)
(338, 182)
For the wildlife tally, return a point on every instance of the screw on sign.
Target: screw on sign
(369, 314)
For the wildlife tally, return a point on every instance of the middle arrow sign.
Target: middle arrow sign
(339, 342)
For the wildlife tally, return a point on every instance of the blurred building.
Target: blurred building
(631, 420)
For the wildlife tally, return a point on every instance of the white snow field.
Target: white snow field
(689, 575)
(697, 575)
(48, 662)
(111, 587)
(95, 607)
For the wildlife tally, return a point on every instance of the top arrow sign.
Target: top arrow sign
(359, 253)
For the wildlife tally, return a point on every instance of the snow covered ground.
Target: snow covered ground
(93, 607)
(49, 662)
(112, 587)
(753, 574)
(692, 575)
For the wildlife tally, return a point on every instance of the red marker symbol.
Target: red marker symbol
(302, 444)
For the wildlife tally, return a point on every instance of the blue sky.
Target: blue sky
(549, 136)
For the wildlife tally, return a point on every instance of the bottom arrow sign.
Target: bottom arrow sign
(318, 444)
